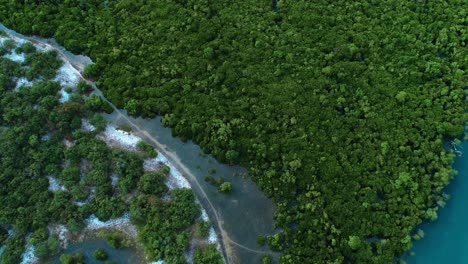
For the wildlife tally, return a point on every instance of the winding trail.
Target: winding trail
(226, 240)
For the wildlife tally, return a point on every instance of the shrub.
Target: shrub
(100, 254)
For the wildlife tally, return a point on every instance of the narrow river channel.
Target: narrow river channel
(238, 217)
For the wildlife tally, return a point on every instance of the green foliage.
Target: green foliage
(147, 149)
(98, 122)
(83, 87)
(91, 71)
(26, 48)
(165, 169)
(3, 235)
(131, 107)
(266, 259)
(163, 225)
(42, 64)
(114, 238)
(100, 254)
(47, 248)
(94, 103)
(77, 258)
(261, 240)
(354, 242)
(211, 180)
(14, 249)
(9, 44)
(125, 127)
(202, 229)
(225, 187)
(153, 183)
(129, 168)
(207, 255)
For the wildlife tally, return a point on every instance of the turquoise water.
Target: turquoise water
(446, 240)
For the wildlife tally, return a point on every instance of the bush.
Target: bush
(9, 44)
(100, 254)
(207, 255)
(203, 229)
(147, 149)
(266, 259)
(261, 240)
(211, 181)
(114, 238)
(27, 48)
(165, 169)
(91, 71)
(83, 87)
(225, 187)
(153, 183)
(125, 127)
(47, 248)
(78, 258)
(3, 235)
(98, 122)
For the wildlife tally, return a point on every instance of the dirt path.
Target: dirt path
(228, 244)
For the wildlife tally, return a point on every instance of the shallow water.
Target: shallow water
(446, 239)
(121, 256)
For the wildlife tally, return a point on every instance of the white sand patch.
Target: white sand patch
(64, 96)
(113, 136)
(114, 180)
(2, 39)
(204, 215)
(86, 126)
(28, 256)
(174, 179)
(22, 82)
(68, 143)
(18, 41)
(15, 57)
(62, 232)
(122, 223)
(129, 141)
(212, 238)
(67, 76)
(79, 204)
(2, 248)
(54, 185)
(151, 164)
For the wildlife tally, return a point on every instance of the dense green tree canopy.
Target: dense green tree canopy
(338, 108)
